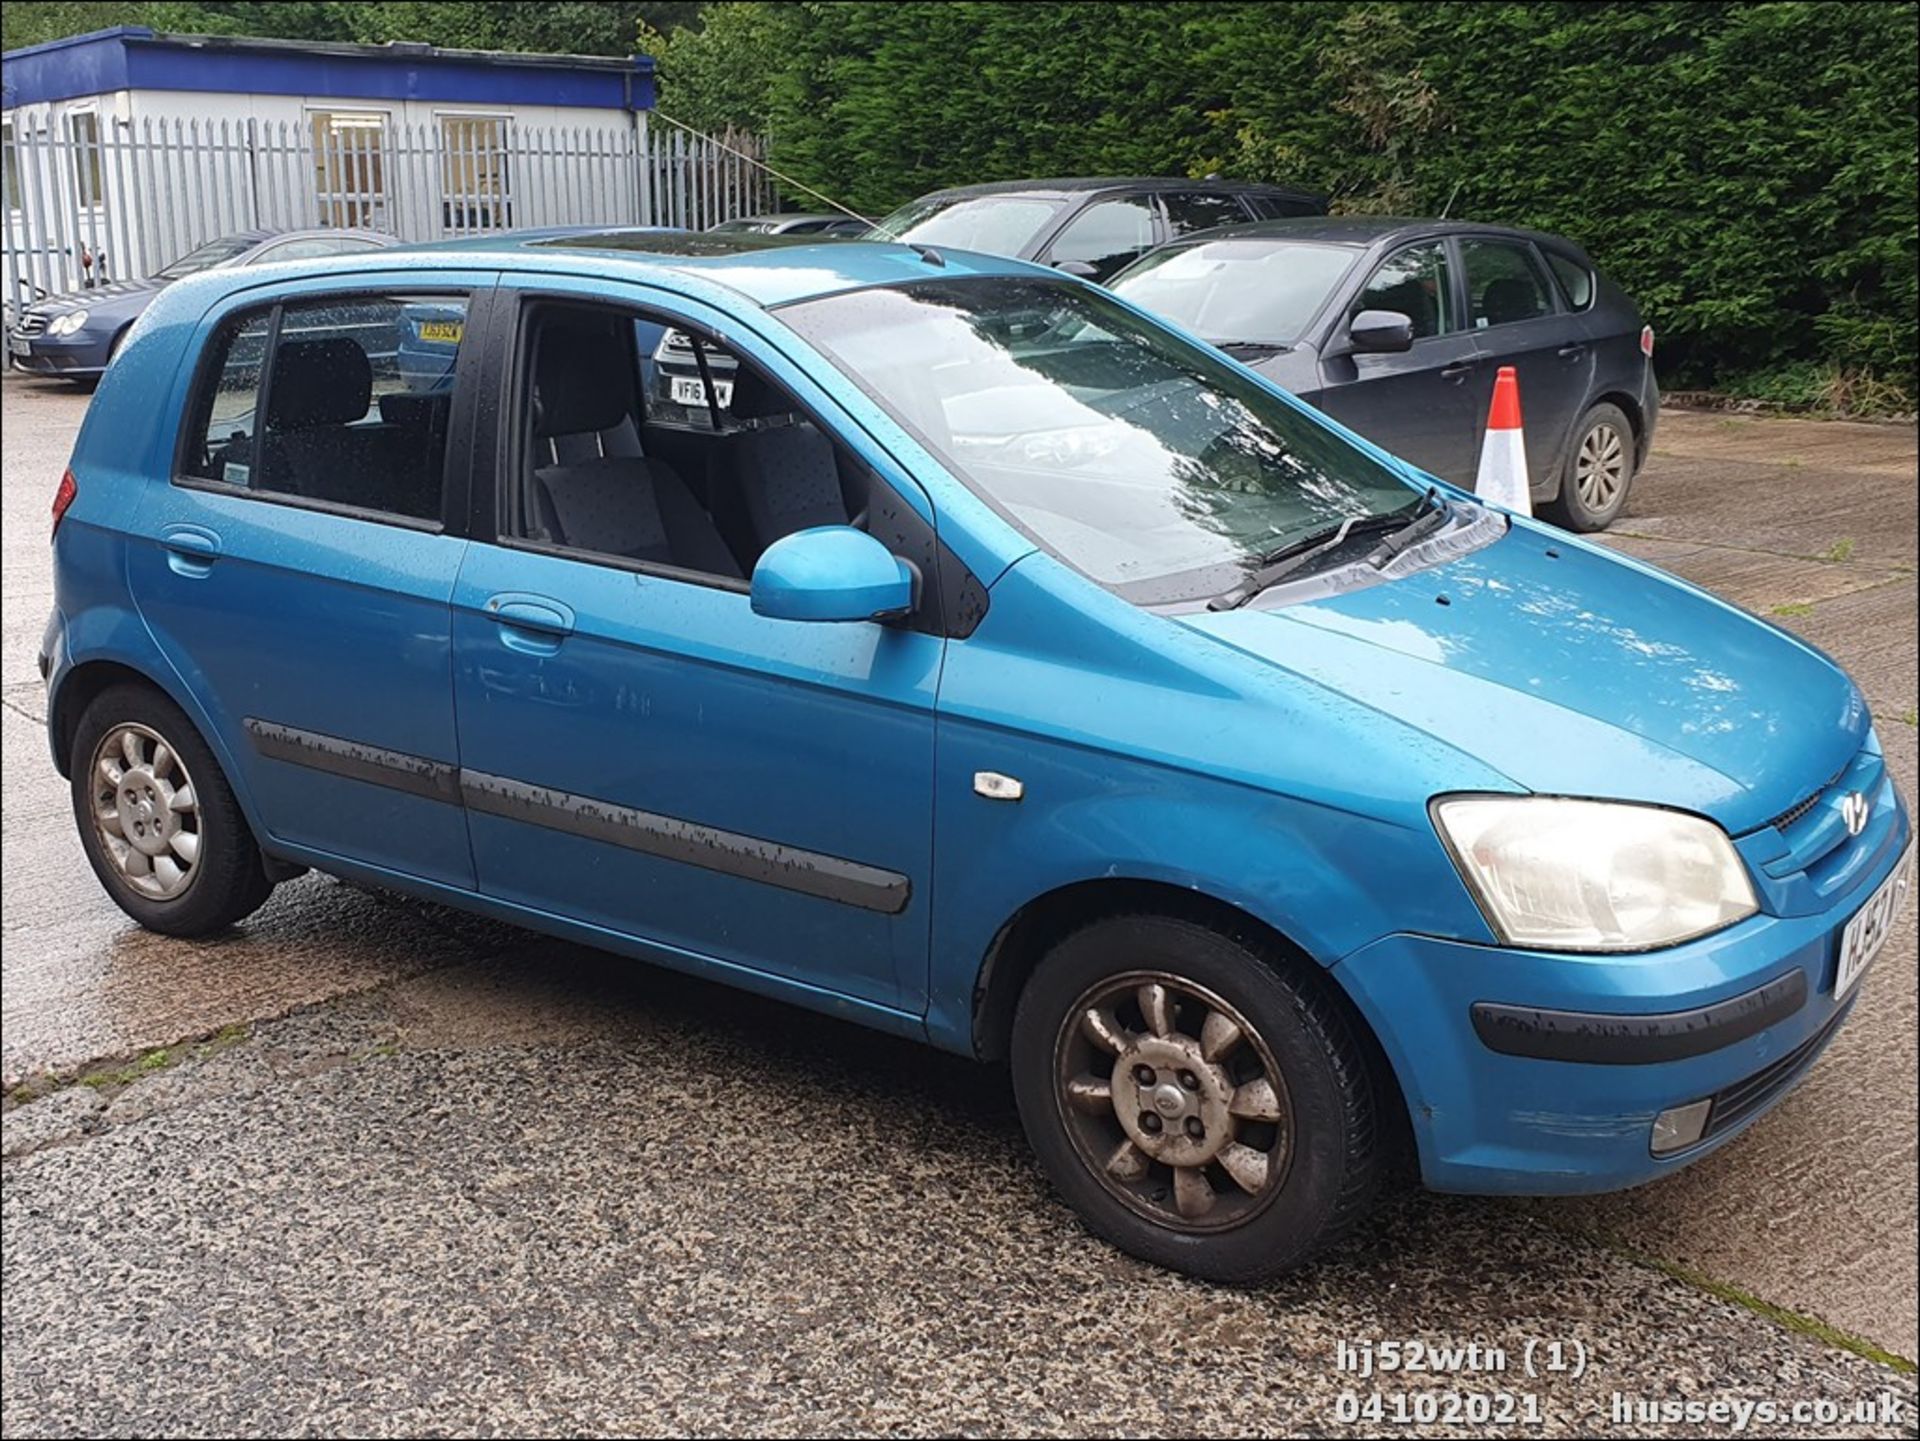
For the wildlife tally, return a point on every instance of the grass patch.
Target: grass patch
(1793, 608)
(113, 1075)
(1910, 717)
(1780, 1315)
(1840, 550)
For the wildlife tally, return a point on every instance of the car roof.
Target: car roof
(1365, 231)
(769, 270)
(1079, 184)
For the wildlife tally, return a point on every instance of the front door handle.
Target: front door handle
(535, 624)
(1458, 371)
(191, 549)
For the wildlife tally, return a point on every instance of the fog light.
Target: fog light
(1679, 1128)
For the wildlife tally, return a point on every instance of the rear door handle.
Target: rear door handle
(191, 549)
(1571, 352)
(1458, 370)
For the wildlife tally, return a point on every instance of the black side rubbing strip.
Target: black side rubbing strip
(1613, 1040)
(748, 857)
(416, 775)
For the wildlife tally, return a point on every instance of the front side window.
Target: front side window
(1504, 283)
(997, 224)
(1418, 282)
(1106, 235)
(1188, 211)
(1247, 291)
(1156, 467)
(310, 401)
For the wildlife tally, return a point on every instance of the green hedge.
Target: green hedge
(1747, 171)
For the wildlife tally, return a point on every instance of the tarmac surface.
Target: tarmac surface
(373, 1165)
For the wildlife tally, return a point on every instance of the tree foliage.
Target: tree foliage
(1747, 171)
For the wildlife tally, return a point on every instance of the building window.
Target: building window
(10, 162)
(349, 162)
(473, 173)
(83, 134)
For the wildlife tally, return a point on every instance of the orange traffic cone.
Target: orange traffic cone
(1503, 453)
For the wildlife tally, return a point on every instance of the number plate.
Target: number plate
(1867, 932)
(19, 346)
(445, 332)
(694, 392)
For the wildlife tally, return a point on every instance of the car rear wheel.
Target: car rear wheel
(159, 823)
(1198, 1103)
(1598, 472)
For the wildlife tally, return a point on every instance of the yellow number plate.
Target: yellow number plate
(447, 331)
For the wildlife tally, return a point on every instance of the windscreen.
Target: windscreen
(213, 253)
(997, 224)
(1157, 467)
(1256, 292)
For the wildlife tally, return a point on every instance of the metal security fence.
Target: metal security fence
(92, 201)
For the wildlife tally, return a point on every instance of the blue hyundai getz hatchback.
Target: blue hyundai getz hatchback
(986, 662)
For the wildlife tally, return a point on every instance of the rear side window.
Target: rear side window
(335, 402)
(1575, 279)
(1504, 283)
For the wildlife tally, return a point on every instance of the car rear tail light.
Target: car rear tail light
(1646, 341)
(63, 497)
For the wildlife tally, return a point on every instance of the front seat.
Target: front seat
(583, 390)
(625, 505)
(776, 476)
(1509, 299)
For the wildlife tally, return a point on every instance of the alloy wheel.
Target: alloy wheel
(146, 812)
(1600, 468)
(1173, 1101)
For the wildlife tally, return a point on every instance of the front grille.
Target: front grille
(31, 324)
(1795, 812)
(1740, 1100)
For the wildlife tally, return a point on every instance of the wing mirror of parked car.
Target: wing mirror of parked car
(832, 572)
(1380, 330)
(1078, 269)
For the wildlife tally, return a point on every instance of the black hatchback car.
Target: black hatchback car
(1091, 226)
(1397, 328)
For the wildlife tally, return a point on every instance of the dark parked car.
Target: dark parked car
(74, 336)
(1088, 227)
(790, 225)
(1397, 327)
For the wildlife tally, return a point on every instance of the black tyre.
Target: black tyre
(1199, 1102)
(1598, 471)
(158, 820)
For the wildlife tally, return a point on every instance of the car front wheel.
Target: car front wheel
(1598, 472)
(159, 823)
(1198, 1103)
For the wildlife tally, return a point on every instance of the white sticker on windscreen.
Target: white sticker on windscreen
(234, 474)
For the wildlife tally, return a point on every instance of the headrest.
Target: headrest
(757, 398)
(403, 407)
(582, 375)
(1509, 298)
(319, 382)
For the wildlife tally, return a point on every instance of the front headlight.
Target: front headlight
(68, 323)
(1571, 875)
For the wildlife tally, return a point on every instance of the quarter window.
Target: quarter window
(1107, 235)
(1504, 283)
(337, 402)
(1417, 282)
(1575, 279)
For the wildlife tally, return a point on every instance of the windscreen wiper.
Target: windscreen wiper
(1239, 348)
(1434, 514)
(1290, 558)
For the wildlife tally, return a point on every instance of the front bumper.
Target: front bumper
(1515, 1121)
(79, 356)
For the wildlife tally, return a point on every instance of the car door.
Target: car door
(640, 750)
(1427, 403)
(1107, 235)
(1520, 321)
(298, 571)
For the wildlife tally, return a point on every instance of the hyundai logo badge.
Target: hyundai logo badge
(1854, 810)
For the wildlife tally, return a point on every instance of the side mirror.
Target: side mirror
(1078, 269)
(1380, 330)
(831, 572)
